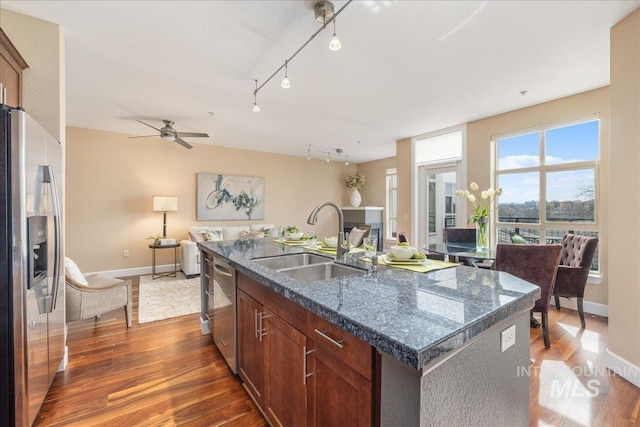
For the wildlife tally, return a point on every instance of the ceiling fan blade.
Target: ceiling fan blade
(142, 136)
(182, 142)
(192, 135)
(148, 125)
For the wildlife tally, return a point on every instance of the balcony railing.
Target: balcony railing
(532, 235)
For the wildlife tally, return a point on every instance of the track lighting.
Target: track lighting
(285, 82)
(256, 107)
(334, 44)
(324, 13)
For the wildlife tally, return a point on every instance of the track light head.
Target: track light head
(285, 82)
(334, 44)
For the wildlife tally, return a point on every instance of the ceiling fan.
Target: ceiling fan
(167, 132)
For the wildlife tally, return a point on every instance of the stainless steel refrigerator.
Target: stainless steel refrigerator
(32, 312)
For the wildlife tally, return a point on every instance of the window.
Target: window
(392, 203)
(450, 203)
(432, 203)
(548, 177)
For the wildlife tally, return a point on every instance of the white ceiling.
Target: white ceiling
(405, 67)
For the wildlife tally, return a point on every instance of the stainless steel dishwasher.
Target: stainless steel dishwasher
(224, 310)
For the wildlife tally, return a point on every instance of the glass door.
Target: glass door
(437, 201)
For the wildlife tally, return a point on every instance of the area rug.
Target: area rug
(167, 297)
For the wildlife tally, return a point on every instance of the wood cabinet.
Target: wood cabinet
(300, 368)
(286, 383)
(11, 66)
(251, 361)
(337, 395)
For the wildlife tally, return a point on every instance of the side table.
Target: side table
(153, 261)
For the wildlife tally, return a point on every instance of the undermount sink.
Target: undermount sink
(308, 267)
(291, 261)
(317, 272)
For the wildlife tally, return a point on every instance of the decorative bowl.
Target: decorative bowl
(295, 236)
(403, 252)
(331, 241)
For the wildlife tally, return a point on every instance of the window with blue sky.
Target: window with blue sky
(549, 181)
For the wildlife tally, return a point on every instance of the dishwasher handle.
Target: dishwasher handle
(222, 270)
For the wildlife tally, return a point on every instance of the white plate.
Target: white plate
(389, 260)
(292, 242)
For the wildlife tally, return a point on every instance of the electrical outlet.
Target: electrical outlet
(507, 338)
(125, 253)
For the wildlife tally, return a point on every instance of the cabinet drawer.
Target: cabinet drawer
(252, 288)
(351, 350)
(288, 310)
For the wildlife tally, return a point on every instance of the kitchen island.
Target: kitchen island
(451, 344)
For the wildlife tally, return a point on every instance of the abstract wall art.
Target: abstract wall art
(228, 197)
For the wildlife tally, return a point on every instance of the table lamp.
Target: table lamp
(165, 204)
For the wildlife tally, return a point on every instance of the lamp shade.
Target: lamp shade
(165, 204)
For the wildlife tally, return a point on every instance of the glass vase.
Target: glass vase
(482, 234)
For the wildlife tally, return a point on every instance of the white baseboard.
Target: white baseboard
(138, 271)
(622, 367)
(589, 307)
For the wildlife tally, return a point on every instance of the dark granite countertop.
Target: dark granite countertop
(414, 317)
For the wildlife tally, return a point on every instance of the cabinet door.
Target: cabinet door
(250, 347)
(337, 395)
(11, 66)
(286, 402)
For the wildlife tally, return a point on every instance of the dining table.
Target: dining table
(466, 252)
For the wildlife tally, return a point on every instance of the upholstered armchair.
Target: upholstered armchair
(573, 272)
(537, 264)
(92, 295)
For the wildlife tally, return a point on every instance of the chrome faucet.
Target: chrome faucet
(341, 250)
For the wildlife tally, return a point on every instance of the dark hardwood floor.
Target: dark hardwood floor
(163, 373)
(167, 373)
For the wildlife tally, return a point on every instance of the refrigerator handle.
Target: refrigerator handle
(50, 178)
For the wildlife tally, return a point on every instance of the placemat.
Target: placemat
(431, 265)
(333, 251)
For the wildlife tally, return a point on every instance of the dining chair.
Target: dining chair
(460, 235)
(573, 271)
(537, 264)
(358, 233)
(465, 235)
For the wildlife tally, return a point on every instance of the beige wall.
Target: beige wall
(111, 180)
(404, 163)
(41, 44)
(374, 192)
(624, 227)
(480, 132)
